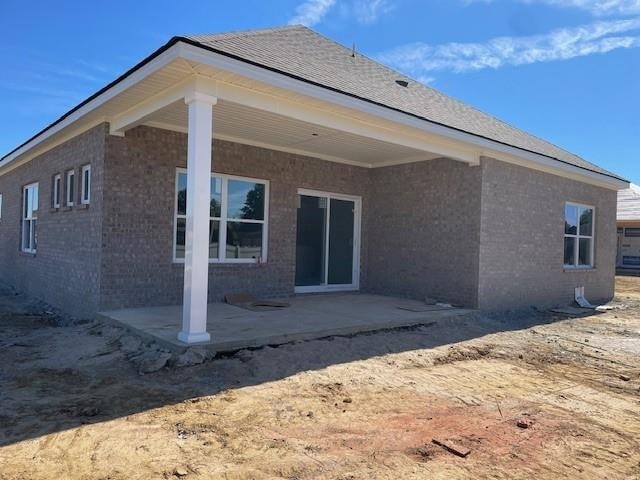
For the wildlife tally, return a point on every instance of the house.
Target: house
(629, 227)
(278, 162)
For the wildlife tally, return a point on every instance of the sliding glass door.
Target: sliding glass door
(327, 242)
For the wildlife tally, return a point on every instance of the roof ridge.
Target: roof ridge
(246, 33)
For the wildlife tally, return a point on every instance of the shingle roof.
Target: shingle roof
(629, 203)
(303, 53)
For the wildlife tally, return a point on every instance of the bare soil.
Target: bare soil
(530, 394)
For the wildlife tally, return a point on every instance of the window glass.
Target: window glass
(181, 226)
(182, 194)
(578, 236)
(214, 238)
(244, 240)
(586, 221)
(571, 219)
(569, 250)
(216, 197)
(584, 251)
(243, 205)
(29, 217)
(86, 184)
(246, 200)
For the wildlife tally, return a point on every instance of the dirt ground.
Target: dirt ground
(74, 405)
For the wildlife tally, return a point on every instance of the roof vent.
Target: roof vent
(402, 83)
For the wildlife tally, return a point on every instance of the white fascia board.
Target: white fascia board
(215, 60)
(154, 65)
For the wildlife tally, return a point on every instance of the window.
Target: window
(86, 185)
(70, 187)
(631, 232)
(237, 219)
(29, 218)
(578, 235)
(0, 207)
(57, 183)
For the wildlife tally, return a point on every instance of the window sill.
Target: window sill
(26, 254)
(579, 269)
(83, 206)
(227, 262)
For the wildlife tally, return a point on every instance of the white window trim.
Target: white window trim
(83, 200)
(575, 265)
(30, 218)
(223, 219)
(57, 183)
(0, 207)
(67, 189)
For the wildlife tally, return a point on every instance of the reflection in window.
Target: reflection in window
(237, 218)
(578, 236)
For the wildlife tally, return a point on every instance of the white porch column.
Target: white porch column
(196, 259)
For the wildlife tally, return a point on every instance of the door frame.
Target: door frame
(357, 219)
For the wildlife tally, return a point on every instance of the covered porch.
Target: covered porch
(207, 109)
(308, 317)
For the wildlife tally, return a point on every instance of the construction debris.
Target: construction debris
(249, 302)
(524, 422)
(452, 447)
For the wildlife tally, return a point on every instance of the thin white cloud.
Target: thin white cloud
(595, 7)
(369, 11)
(311, 12)
(420, 59)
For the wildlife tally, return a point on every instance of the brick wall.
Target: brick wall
(137, 258)
(424, 225)
(65, 270)
(521, 238)
(488, 236)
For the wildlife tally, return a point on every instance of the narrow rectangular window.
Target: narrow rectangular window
(0, 207)
(237, 219)
(70, 187)
(29, 218)
(579, 222)
(86, 185)
(57, 183)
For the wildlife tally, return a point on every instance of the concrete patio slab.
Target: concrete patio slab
(308, 317)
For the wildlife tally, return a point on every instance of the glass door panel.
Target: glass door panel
(341, 221)
(310, 240)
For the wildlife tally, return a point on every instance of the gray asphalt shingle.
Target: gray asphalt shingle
(301, 52)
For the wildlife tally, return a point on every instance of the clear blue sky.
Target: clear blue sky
(565, 70)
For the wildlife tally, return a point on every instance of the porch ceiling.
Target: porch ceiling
(253, 126)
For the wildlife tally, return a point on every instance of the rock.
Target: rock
(347, 400)
(524, 422)
(152, 361)
(193, 356)
(180, 472)
(624, 378)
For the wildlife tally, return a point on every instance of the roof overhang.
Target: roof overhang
(159, 83)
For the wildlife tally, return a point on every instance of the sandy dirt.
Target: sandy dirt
(74, 405)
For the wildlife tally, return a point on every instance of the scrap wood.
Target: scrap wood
(452, 447)
(246, 300)
(422, 308)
